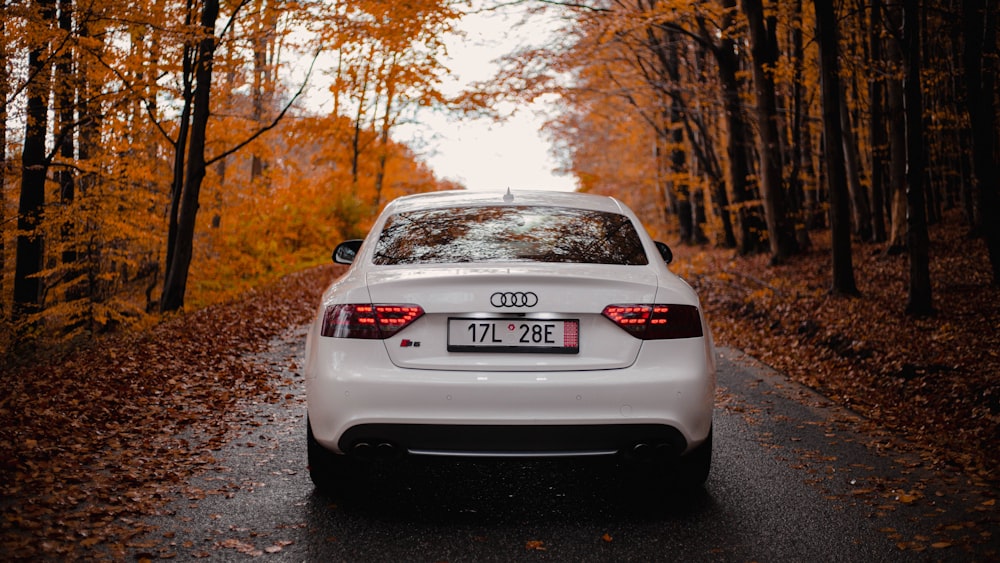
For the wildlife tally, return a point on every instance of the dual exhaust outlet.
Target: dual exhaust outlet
(657, 452)
(371, 451)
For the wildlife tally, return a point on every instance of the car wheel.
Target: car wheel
(331, 473)
(693, 468)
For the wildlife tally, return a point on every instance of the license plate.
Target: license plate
(542, 336)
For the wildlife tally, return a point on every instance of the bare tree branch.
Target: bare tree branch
(273, 124)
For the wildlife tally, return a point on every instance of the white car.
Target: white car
(492, 324)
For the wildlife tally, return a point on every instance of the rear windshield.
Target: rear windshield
(509, 234)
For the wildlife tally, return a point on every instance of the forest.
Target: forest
(174, 175)
(158, 156)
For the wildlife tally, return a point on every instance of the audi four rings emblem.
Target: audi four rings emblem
(514, 299)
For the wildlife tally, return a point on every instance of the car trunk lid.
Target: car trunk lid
(513, 318)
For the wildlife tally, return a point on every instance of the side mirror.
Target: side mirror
(346, 251)
(665, 252)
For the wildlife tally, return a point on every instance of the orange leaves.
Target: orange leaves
(91, 440)
(933, 379)
(907, 497)
(259, 233)
(534, 545)
(270, 207)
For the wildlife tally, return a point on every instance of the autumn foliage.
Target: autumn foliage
(168, 147)
(835, 164)
(163, 154)
(750, 124)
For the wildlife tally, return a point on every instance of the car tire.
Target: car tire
(331, 473)
(693, 468)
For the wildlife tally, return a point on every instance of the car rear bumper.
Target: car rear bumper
(504, 440)
(664, 400)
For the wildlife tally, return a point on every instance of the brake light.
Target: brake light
(656, 322)
(368, 321)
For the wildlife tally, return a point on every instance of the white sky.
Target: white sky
(480, 153)
(477, 153)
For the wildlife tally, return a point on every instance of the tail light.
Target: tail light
(368, 321)
(656, 322)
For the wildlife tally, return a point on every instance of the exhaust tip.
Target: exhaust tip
(363, 450)
(386, 450)
(642, 451)
(376, 450)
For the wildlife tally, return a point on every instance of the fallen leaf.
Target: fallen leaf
(941, 545)
(536, 545)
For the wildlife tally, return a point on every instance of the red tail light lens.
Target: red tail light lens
(368, 321)
(656, 322)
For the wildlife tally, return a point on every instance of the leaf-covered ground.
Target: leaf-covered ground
(935, 380)
(92, 441)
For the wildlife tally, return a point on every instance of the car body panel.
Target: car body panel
(411, 379)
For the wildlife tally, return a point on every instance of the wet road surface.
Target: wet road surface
(794, 478)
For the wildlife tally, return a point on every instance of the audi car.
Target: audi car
(508, 324)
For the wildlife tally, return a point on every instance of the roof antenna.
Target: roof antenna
(508, 197)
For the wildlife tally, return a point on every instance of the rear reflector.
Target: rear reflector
(368, 321)
(656, 322)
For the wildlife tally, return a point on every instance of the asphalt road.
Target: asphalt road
(793, 479)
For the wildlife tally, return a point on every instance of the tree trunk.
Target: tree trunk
(781, 232)
(749, 223)
(388, 120)
(175, 282)
(668, 201)
(877, 127)
(88, 113)
(698, 218)
(264, 28)
(843, 266)
(860, 204)
(180, 148)
(4, 96)
(710, 166)
(35, 166)
(679, 184)
(919, 298)
(980, 32)
(65, 97)
(897, 144)
(799, 132)
(358, 126)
